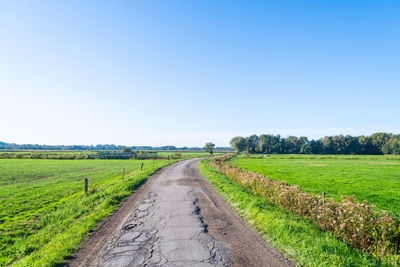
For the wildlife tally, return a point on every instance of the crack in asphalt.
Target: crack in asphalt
(165, 229)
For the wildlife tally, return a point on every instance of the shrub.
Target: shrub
(177, 156)
(18, 156)
(127, 150)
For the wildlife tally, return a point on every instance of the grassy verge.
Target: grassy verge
(296, 237)
(45, 214)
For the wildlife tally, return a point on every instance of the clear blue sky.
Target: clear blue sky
(187, 72)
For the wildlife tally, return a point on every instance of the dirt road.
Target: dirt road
(176, 219)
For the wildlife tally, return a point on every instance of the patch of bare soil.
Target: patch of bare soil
(316, 164)
(380, 163)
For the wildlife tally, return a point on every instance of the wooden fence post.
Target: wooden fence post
(141, 167)
(123, 172)
(323, 197)
(86, 185)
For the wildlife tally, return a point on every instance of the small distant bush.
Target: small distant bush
(79, 156)
(177, 156)
(127, 150)
(35, 156)
(18, 156)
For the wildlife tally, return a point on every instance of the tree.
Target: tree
(378, 140)
(338, 145)
(366, 146)
(293, 145)
(317, 146)
(352, 145)
(209, 147)
(238, 143)
(328, 145)
(251, 143)
(127, 150)
(305, 145)
(392, 146)
(268, 144)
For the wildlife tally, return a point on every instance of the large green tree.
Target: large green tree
(238, 143)
(209, 147)
(378, 140)
(251, 143)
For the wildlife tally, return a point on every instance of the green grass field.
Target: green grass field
(296, 237)
(373, 178)
(44, 211)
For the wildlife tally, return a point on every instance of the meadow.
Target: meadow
(366, 228)
(372, 178)
(290, 233)
(45, 212)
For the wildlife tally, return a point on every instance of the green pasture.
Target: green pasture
(372, 178)
(297, 238)
(44, 211)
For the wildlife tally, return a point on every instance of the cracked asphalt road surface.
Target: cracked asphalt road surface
(176, 219)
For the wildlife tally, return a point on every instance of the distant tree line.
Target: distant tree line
(12, 146)
(375, 144)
